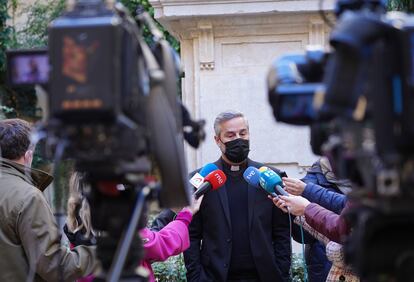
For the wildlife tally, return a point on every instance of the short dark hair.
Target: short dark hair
(14, 138)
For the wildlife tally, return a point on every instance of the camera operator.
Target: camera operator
(29, 238)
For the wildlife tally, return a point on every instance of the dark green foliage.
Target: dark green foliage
(62, 174)
(132, 6)
(5, 36)
(401, 5)
(171, 270)
(298, 268)
(39, 15)
(5, 41)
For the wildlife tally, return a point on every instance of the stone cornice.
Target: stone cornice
(244, 25)
(200, 8)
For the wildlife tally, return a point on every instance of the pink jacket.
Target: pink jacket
(171, 240)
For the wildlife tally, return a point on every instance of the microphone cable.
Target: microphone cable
(291, 246)
(305, 267)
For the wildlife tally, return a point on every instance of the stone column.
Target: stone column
(227, 48)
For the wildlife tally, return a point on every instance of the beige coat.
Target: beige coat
(30, 247)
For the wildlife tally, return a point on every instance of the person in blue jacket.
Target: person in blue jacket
(320, 186)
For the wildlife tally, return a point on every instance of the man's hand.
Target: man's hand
(296, 205)
(294, 186)
(79, 238)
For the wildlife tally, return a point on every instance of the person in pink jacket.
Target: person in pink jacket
(169, 241)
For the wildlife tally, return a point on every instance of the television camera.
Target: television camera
(358, 101)
(114, 110)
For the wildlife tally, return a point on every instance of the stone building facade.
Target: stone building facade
(227, 47)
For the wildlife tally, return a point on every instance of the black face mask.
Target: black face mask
(237, 150)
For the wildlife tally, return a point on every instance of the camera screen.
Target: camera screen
(28, 68)
(297, 108)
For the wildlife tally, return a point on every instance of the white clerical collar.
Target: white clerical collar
(235, 168)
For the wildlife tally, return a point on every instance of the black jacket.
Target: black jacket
(209, 254)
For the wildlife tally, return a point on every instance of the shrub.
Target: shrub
(171, 270)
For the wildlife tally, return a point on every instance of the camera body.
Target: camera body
(357, 100)
(99, 89)
(113, 98)
(114, 110)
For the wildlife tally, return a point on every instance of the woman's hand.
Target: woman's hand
(281, 204)
(294, 186)
(296, 205)
(195, 207)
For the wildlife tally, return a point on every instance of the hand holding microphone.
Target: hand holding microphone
(294, 186)
(270, 182)
(288, 203)
(296, 205)
(195, 207)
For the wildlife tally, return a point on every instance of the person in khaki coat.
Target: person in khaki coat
(30, 247)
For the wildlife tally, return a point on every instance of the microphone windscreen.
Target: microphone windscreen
(207, 169)
(216, 178)
(269, 179)
(263, 168)
(252, 176)
(197, 180)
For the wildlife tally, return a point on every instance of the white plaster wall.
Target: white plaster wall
(238, 82)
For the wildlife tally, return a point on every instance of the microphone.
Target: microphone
(212, 181)
(271, 181)
(198, 178)
(252, 176)
(205, 170)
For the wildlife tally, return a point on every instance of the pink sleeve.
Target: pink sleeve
(172, 240)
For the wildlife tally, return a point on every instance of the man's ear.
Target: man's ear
(28, 157)
(217, 139)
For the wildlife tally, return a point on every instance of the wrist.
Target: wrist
(188, 209)
(185, 215)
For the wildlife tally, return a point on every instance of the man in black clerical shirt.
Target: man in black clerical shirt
(238, 234)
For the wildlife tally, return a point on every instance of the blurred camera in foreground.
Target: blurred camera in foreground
(357, 100)
(114, 109)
